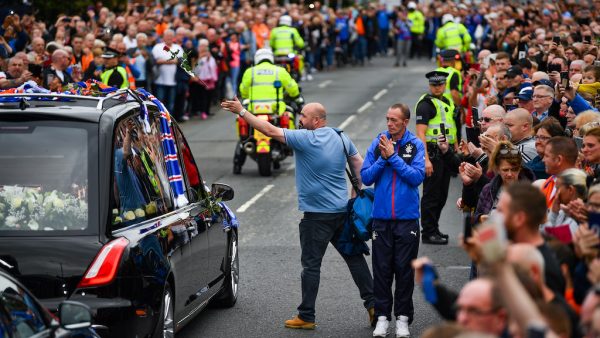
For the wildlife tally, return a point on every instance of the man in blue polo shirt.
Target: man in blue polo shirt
(322, 196)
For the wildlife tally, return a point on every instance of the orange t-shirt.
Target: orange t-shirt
(262, 32)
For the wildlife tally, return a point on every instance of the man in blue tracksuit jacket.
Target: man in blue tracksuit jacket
(395, 163)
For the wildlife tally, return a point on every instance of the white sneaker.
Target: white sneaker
(382, 327)
(402, 327)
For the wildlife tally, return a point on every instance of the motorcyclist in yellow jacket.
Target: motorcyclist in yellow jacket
(264, 85)
(285, 40)
(452, 35)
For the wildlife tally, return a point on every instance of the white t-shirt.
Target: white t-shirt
(130, 42)
(166, 73)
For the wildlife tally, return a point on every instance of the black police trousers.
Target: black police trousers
(435, 192)
(395, 246)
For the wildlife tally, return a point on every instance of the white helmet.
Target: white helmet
(263, 54)
(447, 18)
(285, 20)
(412, 5)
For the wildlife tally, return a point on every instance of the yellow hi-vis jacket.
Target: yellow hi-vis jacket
(285, 40)
(258, 85)
(444, 113)
(418, 22)
(453, 36)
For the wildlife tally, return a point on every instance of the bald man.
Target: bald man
(491, 114)
(479, 308)
(530, 260)
(322, 196)
(520, 123)
(56, 76)
(167, 67)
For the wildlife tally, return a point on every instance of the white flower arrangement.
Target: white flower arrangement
(24, 208)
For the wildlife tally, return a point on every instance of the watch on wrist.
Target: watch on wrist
(242, 112)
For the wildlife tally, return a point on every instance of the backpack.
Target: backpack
(358, 226)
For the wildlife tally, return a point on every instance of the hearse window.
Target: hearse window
(140, 183)
(44, 176)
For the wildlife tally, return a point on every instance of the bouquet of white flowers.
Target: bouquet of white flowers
(23, 208)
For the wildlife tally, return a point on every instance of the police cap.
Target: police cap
(436, 77)
(110, 53)
(449, 54)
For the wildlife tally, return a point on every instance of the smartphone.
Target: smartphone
(140, 9)
(66, 20)
(556, 40)
(594, 222)
(564, 78)
(475, 115)
(587, 40)
(443, 129)
(467, 226)
(522, 54)
(597, 63)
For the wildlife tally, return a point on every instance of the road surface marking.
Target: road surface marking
(251, 201)
(346, 122)
(458, 267)
(380, 94)
(324, 84)
(364, 107)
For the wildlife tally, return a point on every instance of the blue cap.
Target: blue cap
(525, 94)
(544, 82)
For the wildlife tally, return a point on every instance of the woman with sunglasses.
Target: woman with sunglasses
(506, 163)
(544, 131)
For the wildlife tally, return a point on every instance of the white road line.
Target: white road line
(458, 267)
(380, 94)
(253, 200)
(324, 84)
(346, 122)
(364, 107)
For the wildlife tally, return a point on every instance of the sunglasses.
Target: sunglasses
(506, 150)
(486, 119)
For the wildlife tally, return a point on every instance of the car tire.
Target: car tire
(264, 164)
(229, 293)
(166, 321)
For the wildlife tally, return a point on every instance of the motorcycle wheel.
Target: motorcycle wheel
(264, 164)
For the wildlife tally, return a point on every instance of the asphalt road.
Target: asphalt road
(356, 98)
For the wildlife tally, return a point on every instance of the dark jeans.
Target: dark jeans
(166, 94)
(317, 230)
(435, 192)
(395, 246)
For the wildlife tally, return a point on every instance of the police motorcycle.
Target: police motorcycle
(267, 152)
(291, 63)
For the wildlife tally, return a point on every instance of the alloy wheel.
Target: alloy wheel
(168, 327)
(235, 267)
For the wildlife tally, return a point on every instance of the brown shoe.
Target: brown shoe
(372, 319)
(297, 323)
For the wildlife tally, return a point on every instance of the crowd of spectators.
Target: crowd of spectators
(531, 163)
(530, 104)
